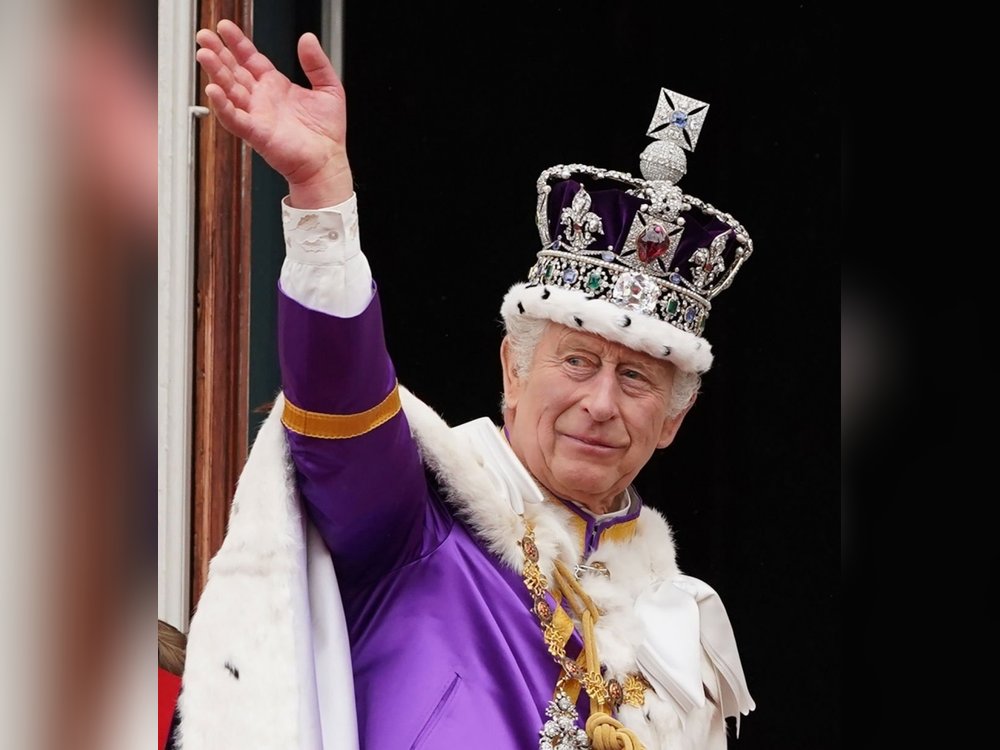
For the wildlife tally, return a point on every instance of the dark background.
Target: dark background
(453, 113)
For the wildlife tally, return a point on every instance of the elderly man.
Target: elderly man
(491, 586)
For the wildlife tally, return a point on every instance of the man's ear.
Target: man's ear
(672, 424)
(511, 380)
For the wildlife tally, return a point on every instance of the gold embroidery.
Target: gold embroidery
(620, 532)
(580, 527)
(340, 426)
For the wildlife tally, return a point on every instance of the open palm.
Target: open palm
(300, 132)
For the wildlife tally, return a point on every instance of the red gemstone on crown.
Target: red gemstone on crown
(652, 243)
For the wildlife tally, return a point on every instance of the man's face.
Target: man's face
(588, 415)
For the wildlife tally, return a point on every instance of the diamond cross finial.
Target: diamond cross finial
(678, 118)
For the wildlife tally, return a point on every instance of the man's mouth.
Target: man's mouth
(593, 442)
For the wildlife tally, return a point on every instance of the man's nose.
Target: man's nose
(601, 401)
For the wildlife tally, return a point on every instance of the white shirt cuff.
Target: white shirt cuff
(324, 267)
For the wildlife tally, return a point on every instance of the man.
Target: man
(496, 587)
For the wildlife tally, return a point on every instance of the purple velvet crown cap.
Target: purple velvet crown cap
(617, 210)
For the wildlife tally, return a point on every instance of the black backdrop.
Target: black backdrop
(454, 111)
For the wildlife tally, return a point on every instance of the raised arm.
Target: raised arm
(300, 132)
(358, 468)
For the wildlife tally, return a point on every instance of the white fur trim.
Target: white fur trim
(259, 617)
(643, 333)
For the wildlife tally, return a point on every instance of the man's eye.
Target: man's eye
(633, 375)
(580, 362)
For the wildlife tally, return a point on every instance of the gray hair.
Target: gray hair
(524, 332)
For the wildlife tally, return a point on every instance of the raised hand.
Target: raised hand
(300, 132)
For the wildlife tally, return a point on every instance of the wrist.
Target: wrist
(329, 187)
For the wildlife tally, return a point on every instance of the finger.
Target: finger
(243, 50)
(316, 64)
(239, 72)
(223, 77)
(212, 65)
(233, 119)
(210, 40)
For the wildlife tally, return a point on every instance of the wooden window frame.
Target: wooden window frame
(222, 312)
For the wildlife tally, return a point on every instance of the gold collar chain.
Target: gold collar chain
(606, 696)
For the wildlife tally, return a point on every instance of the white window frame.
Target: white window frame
(175, 306)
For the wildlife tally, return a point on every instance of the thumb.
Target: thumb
(316, 64)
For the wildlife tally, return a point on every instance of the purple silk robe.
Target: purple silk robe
(446, 650)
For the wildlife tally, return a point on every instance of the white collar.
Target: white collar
(623, 511)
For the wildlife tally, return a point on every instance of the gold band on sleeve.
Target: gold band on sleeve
(339, 426)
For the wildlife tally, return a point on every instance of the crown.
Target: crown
(633, 259)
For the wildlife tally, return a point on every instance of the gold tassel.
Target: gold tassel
(607, 733)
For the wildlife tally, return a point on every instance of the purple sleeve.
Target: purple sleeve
(368, 495)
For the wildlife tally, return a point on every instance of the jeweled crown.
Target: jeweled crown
(640, 244)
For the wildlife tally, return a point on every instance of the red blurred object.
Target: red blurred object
(169, 689)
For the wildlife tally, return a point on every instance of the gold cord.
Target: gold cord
(605, 732)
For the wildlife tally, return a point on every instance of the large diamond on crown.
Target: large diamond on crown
(635, 291)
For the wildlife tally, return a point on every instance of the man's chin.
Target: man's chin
(583, 483)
